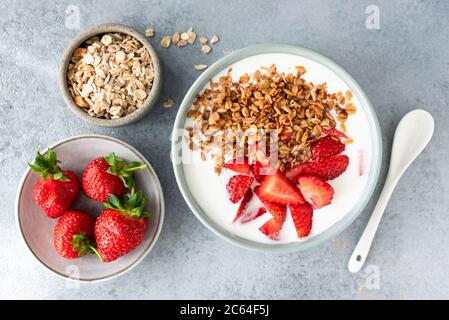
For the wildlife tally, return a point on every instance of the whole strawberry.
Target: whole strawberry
(109, 175)
(121, 227)
(57, 189)
(73, 235)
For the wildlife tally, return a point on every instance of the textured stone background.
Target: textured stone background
(402, 66)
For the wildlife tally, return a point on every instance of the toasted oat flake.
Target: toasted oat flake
(200, 67)
(214, 39)
(203, 40)
(169, 103)
(149, 33)
(184, 36)
(175, 38)
(206, 49)
(165, 42)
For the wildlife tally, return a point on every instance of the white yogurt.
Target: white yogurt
(209, 189)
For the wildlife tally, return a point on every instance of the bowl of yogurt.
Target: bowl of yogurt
(205, 191)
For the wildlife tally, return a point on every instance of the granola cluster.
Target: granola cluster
(261, 104)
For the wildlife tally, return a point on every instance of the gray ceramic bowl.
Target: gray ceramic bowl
(36, 229)
(356, 90)
(152, 96)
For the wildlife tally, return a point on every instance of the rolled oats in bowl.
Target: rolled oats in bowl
(110, 75)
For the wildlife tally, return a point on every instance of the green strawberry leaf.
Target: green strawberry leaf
(131, 204)
(84, 245)
(124, 170)
(47, 166)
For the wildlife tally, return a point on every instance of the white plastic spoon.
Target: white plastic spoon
(413, 133)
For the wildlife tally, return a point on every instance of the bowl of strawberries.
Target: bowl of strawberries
(89, 208)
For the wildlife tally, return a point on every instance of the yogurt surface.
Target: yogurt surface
(209, 189)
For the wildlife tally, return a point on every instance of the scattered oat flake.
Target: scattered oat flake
(203, 40)
(165, 42)
(200, 67)
(149, 33)
(182, 43)
(175, 38)
(214, 39)
(184, 36)
(168, 103)
(192, 36)
(206, 49)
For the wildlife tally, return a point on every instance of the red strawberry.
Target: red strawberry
(277, 188)
(240, 165)
(328, 168)
(335, 133)
(237, 187)
(57, 189)
(272, 227)
(277, 210)
(73, 234)
(250, 216)
(326, 147)
(246, 199)
(302, 218)
(121, 227)
(109, 175)
(260, 171)
(316, 191)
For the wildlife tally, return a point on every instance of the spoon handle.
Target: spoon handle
(361, 251)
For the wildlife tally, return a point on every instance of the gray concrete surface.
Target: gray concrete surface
(402, 66)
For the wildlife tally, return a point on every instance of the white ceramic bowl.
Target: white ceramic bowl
(322, 69)
(36, 229)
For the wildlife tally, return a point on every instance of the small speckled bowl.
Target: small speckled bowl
(152, 95)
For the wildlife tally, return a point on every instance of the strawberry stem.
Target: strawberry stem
(84, 245)
(47, 166)
(124, 170)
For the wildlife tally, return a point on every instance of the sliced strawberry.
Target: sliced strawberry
(240, 165)
(277, 188)
(335, 133)
(277, 211)
(260, 171)
(326, 147)
(237, 187)
(302, 218)
(317, 191)
(271, 229)
(293, 173)
(246, 199)
(328, 168)
(250, 216)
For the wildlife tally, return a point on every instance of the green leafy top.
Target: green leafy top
(83, 245)
(47, 166)
(131, 204)
(124, 170)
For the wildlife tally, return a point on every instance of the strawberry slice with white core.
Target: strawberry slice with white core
(239, 165)
(273, 226)
(317, 191)
(278, 189)
(251, 215)
(302, 218)
(246, 199)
